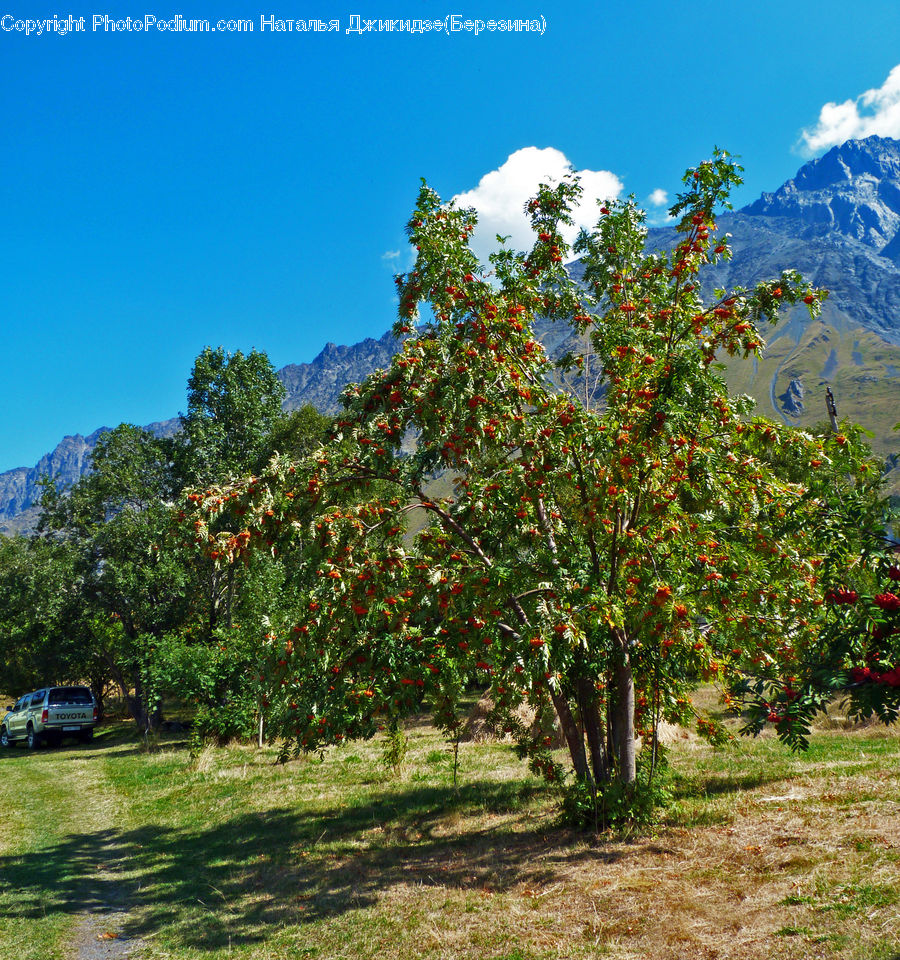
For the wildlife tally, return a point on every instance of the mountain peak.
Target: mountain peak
(875, 158)
(854, 190)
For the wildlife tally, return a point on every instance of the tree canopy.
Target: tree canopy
(233, 404)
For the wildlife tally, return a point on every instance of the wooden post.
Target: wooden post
(832, 409)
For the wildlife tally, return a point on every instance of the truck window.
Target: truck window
(75, 695)
(37, 698)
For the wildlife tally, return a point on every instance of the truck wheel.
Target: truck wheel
(32, 739)
(4, 738)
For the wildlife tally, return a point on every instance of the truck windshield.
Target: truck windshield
(79, 695)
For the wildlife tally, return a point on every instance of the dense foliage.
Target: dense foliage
(858, 653)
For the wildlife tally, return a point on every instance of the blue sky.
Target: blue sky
(162, 191)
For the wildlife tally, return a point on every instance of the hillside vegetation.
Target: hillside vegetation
(861, 369)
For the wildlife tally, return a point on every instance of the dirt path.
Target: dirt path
(98, 931)
(95, 938)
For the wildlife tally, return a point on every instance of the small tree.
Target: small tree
(234, 405)
(244, 598)
(594, 561)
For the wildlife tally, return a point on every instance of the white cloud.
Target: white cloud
(875, 112)
(501, 195)
(659, 198)
(390, 255)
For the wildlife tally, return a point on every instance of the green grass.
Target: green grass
(39, 889)
(761, 854)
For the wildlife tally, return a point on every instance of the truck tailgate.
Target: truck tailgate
(63, 715)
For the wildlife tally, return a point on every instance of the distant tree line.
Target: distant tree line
(109, 592)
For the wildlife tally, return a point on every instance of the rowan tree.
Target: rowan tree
(857, 655)
(594, 560)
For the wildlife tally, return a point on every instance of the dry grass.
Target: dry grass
(761, 855)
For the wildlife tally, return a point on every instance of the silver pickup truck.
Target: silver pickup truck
(49, 715)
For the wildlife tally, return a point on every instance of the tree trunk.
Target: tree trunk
(574, 739)
(590, 718)
(230, 596)
(134, 701)
(623, 721)
(610, 744)
(97, 686)
(138, 711)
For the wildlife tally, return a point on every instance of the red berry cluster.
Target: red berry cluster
(841, 596)
(890, 678)
(887, 601)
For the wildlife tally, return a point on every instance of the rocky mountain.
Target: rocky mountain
(854, 191)
(837, 221)
(20, 489)
(321, 382)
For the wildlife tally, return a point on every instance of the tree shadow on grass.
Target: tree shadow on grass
(694, 791)
(238, 881)
(725, 783)
(124, 745)
(715, 784)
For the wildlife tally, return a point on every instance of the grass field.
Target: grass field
(108, 851)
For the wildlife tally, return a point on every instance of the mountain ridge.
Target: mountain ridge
(853, 190)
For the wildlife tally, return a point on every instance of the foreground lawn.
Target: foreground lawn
(107, 851)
